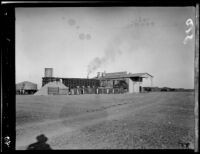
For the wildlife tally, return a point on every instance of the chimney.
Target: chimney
(98, 74)
(87, 75)
(104, 73)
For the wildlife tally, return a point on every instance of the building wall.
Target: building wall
(46, 80)
(73, 82)
(134, 85)
(147, 82)
(130, 86)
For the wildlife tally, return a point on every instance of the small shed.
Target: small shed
(53, 88)
(26, 87)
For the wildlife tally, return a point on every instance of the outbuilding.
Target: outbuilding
(53, 88)
(132, 83)
(26, 87)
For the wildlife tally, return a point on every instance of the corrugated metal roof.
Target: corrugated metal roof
(26, 82)
(56, 84)
(144, 75)
(26, 85)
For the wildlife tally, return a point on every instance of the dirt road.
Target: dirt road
(152, 120)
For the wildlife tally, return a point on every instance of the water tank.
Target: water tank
(48, 72)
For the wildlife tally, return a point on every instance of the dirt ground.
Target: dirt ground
(158, 120)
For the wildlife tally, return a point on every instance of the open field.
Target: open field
(159, 120)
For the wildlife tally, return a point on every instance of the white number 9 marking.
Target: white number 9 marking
(189, 34)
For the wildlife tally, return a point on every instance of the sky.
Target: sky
(81, 41)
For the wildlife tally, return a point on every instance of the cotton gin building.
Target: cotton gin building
(103, 83)
(128, 82)
(74, 85)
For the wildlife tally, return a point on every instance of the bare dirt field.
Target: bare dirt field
(158, 120)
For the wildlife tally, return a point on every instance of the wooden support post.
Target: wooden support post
(151, 81)
(83, 90)
(89, 91)
(77, 88)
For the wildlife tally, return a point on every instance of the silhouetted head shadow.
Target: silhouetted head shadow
(40, 144)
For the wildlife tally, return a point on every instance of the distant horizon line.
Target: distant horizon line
(162, 87)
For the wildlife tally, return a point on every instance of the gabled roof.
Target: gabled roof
(26, 85)
(25, 82)
(44, 90)
(143, 75)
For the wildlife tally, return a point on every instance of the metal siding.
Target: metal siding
(53, 90)
(63, 91)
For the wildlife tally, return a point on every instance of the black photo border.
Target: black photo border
(8, 94)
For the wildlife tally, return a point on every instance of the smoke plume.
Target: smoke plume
(110, 53)
(125, 41)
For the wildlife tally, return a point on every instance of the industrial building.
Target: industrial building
(103, 83)
(26, 87)
(127, 81)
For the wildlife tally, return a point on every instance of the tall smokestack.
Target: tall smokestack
(88, 76)
(98, 74)
(104, 73)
